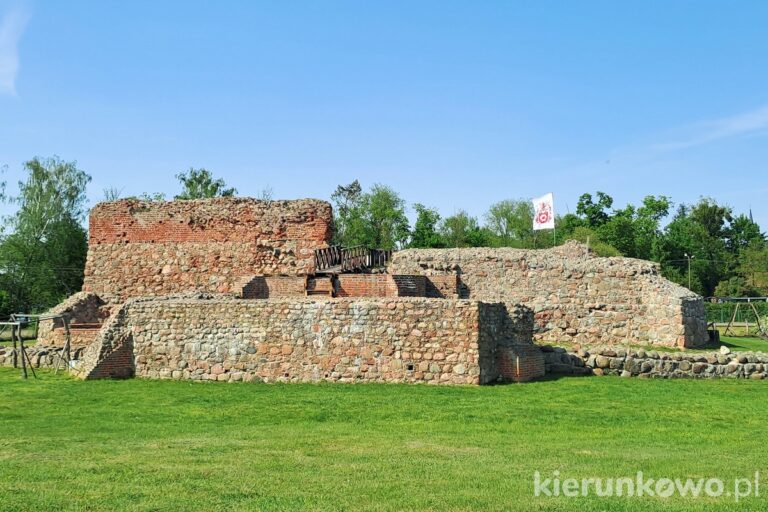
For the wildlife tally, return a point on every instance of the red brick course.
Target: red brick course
(265, 287)
(210, 220)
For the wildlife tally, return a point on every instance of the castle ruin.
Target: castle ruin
(232, 289)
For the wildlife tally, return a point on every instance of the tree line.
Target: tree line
(706, 245)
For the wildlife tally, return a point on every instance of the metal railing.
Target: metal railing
(353, 259)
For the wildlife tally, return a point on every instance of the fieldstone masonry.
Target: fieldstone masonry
(86, 310)
(647, 363)
(348, 340)
(576, 297)
(252, 308)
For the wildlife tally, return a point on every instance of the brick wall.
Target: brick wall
(138, 248)
(410, 286)
(380, 285)
(393, 340)
(520, 362)
(576, 297)
(80, 308)
(266, 287)
(365, 285)
(442, 286)
(79, 336)
(222, 219)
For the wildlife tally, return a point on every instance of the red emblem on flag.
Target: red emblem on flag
(543, 213)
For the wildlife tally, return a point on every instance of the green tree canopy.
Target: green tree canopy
(595, 213)
(753, 267)
(200, 184)
(386, 223)
(511, 223)
(375, 219)
(425, 234)
(43, 256)
(462, 230)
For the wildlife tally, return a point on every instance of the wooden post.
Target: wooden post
(733, 319)
(68, 347)
(23, 359)
(760, 327)
(15, 348)
(25, 355)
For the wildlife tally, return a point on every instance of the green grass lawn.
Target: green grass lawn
(742, 343)
(162, 445)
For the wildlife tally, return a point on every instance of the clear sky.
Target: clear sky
(453, 104)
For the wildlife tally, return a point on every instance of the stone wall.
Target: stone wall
(139, 248)
(390, 340)
(81, 308)
(576, 297)
(638, 362)
(41, 356)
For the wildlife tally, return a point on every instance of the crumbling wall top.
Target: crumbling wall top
(203, 220)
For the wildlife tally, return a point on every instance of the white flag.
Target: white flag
(544, 212)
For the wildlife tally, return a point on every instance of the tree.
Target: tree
(348, 217)
(742, 233)
(511, 222)
(753, 267)
(648, 225)
(43, 257)
(386, 225)
(619, 231)
(462, 230)
(375, 219)
(566, 225)
(735, 286)
(702, 241)
(711, 216)
(595, 214)
(200, 184)
(425, 233)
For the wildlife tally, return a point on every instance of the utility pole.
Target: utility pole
(689, 268)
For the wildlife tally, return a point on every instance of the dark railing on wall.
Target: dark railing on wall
(354, 259)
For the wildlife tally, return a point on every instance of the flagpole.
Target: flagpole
(554, 224)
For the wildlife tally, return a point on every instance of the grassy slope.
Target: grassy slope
(149, 445)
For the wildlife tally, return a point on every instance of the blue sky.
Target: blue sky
(453, 104)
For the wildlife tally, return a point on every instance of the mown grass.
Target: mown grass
(162, 445)
(744, 343)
